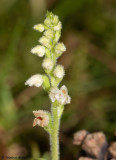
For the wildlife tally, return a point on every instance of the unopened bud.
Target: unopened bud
(59, 71)
(35, 80)
(39, 50)
(45, 41)
(39, 27)
(47, 64)
(58, 27)
(60, 48)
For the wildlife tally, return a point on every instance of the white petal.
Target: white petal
(36, 113)
(35, 122)
(64, 90)
(68, 99)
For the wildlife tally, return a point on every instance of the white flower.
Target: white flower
(60, 48)
(39, 27)
(59, 71)
(64, 98)
(60, 95)
(39, 50)
(47, 64)
(42, 118)
(45, 41)
(49, 34)
(58, 27)
(35, 80)
(54, 94)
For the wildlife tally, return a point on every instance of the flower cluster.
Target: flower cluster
(51, 50)
(60, 95)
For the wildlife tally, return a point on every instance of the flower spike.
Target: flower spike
(51, 49)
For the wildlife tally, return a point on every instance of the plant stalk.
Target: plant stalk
(55, 134)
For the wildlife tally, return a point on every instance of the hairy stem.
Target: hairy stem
(55, 134)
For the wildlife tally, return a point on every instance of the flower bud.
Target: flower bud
(57, 36)
(42, 118)
(47, 22)
(58, 27)
(35, 80)
(59, 71)
(45, 41)
(55, 20)
(49, 34)
(47, 64)
(60, 48)
(39, 50)
(39, 27)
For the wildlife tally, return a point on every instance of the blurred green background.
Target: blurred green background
(89, 33)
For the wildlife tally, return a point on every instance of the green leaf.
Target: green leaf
(46, 82)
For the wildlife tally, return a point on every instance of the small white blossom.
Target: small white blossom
(42, 118)
(54, 94)
(39, 50)
(59, 71)
(35, 80)
(47, 64)
(49, 34)
(58, 27)
(65, 98)
(60, 48)
(39, 27)
(45, 41)
(60, 95)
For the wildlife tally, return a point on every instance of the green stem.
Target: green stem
(55, 134)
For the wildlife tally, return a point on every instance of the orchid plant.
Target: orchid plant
(51, 49)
